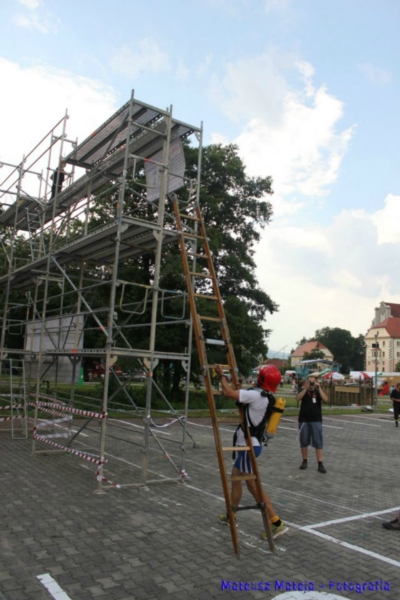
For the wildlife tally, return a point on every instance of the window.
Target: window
(383, 343)
(383, 354)
(398, 344)
(398, 354)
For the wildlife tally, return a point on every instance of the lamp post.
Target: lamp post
(376, 345)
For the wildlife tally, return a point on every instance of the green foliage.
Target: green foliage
(314, 354)
(346, 349)
(397, 367)
(234, 210)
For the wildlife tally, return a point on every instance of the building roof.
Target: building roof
(277, 362)
(392, 326)
(394, 309)
(309, 347)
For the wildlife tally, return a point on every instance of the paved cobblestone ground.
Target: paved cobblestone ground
(165, 541)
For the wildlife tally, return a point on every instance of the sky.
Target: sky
(309, 90)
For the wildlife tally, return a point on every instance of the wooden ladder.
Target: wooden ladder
(192, 231)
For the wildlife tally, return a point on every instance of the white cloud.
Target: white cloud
(387, 221)
(26, 120)
(376, 75)
(291, 134)
(280, 6)
(204, 66)
(148, 57)
(253, 88)
(181, 71)
(219, 138)
(229, 8)
(35, 21)
(331, 276)
(31, 4)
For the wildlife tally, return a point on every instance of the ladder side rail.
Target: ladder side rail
(233, 366)
(210, 392)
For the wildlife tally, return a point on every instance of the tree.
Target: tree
(346, 349)
(397, 367)
(313, 355)
(234, 210)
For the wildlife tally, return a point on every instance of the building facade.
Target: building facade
(300, 351)
(383, 339)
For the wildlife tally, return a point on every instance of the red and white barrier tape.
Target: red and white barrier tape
(49, 436)
(60, 405)
(166, 424)
(10, 407)
(89, 457)
(68, 409)
(12, 418)
(52, 412)
(183, 474)
(101, 477)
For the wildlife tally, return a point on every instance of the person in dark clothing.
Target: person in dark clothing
(310, 421)
(395, 398)
(58, 177)
(394, 525)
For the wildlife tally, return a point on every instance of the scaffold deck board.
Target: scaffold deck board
(111, 135)
(145, 145)
(133, 352)
(98, 246)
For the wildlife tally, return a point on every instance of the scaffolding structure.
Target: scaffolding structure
(71, 294)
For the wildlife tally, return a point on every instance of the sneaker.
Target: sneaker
(304, 465)
(277, 531)
(321, 468)
(395, 525)
(224, 520)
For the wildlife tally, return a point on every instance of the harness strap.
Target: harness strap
(257, 431)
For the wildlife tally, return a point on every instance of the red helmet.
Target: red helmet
(269, 378)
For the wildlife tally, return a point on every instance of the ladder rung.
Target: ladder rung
(198, 255)
(252, 507)
(211, 342)
(217, 392)
(251, 477)
(215, 319)
(191, 235)
(205, 296)
(206, 275)
(189, 217)
(235, 448)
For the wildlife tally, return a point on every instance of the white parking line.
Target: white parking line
(139, 426)
(210, 427)
(310, 528)
(288, 428)
(52, 587)
(369, 553)
(350, 422)
(323, 424)
(376, 418)
(76, 431)
(353, 518)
